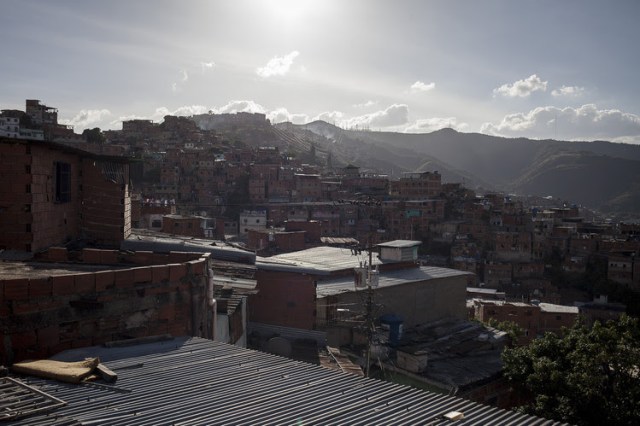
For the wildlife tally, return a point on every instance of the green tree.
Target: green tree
(513, 330)
(591, 376)
(94, 135)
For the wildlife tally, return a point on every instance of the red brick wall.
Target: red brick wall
(30, 219)
(106, 206)
(286, 299)
(313, 228)
(525, 316)
(15, 197)
(290, 241)
(53, 223)
(42, 316)
(187, 226)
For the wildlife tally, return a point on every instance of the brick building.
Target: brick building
(417, 185)
(309, 288)
(56, 194)
(101, 296)
(535, 320)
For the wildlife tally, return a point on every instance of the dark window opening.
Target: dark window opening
(63, 182)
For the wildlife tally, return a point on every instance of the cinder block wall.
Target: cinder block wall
(42, 316)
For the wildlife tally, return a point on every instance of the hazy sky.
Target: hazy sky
(543, 69)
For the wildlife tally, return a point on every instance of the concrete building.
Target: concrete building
(9, 127)
(308, 289)
(254, 219)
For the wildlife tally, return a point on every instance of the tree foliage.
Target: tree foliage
(94, 135)
(591, 376)
(513, 330)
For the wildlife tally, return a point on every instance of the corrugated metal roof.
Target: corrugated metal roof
(153, 241)
(387, 279)
(196, 381)
(317, 260)
(400, 243)
(560, 309)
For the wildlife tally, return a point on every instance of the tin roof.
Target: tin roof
(197, 381)
(387, 279)
(317, 260)
(400, 243)
(145, 240)
(559, 309)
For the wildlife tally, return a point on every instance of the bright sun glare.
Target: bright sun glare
(289, 11)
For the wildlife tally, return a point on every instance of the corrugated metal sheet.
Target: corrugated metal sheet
(151, 241)
(387, 279)
(318, 260)
(288, 332)
(199, 382)
(400, 243)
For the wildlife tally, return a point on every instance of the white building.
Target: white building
(255, 220)
(9, 127)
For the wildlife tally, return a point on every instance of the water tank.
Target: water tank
(395, 323)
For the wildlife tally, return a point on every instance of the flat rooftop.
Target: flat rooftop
(317, 260)
(387, 279)
(14, 270)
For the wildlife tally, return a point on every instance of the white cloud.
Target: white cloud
(188, 110)
(207, 66)
(278, 65)
(239, 106)
(87, 118)
(282, 115)
(366, 104)
(568, 91)
(584, 123)
(394, 115)
(174, 87)
(185, 75)
(522, 88)
(427, 125)
(333, 117)
(419, 86)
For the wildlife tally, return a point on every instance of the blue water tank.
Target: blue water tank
(395, 327)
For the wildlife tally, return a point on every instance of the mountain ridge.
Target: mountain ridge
(599, 174)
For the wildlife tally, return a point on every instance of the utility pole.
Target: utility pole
(369, 317)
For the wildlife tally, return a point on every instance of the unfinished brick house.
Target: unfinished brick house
(100, 296)
(53, 194)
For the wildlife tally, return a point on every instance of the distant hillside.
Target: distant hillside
(600, 175)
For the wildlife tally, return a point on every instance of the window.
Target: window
(63, 182)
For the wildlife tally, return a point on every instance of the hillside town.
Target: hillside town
(228, 228)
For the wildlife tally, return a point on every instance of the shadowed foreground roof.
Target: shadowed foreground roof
(197, 381)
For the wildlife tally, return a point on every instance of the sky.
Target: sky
(539, 69)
